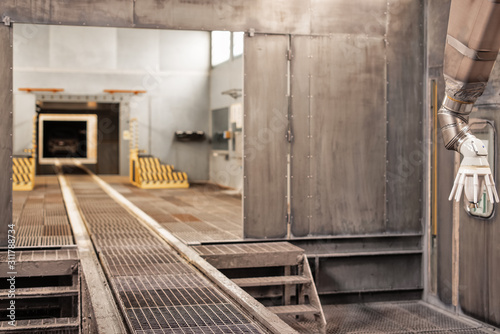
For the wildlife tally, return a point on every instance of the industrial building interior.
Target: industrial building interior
(249, 167)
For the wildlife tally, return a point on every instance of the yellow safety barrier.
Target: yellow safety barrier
(23, 168)
(148, 172)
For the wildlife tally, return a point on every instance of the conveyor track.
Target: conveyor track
(157, 291)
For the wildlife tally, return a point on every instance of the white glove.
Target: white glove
(474, 173)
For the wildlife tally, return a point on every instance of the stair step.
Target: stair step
(251, 255)
(39, 325)
(294, 309)
(43, 292)
(271, 280)
(49, 262)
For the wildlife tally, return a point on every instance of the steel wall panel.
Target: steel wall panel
(445, 177)
(301, 147)
(319, 17)
(479, 246)
(437, 24)
(27, 11)
(5, 132)
(493, 235)
(347, 126)
(113, 13)
(265, 146)
(356, 274)
(405, 96)
(348, 17)
(473, 277)
(282, 16)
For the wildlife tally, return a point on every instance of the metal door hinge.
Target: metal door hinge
(289, 135)
(6, 20)
(289, 55)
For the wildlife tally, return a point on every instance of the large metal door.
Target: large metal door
(338, 122)
(265, 145)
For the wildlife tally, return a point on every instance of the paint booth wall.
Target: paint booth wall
(226, 170)
(172, 66)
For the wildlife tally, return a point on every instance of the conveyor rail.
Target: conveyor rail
(156, 289)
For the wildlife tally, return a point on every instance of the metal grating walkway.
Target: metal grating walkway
(202, 213)
(157, 291)
(387, 317)
(40, 216)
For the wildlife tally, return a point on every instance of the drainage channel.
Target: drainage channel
(157, 290)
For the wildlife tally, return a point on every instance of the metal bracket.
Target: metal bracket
(6, 21)
(251, 32)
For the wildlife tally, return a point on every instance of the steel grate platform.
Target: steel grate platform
(157, 291)
(40, 216)
(194, 215)
(393, 318)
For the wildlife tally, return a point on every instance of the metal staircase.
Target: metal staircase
(44, 292)
(277, 274)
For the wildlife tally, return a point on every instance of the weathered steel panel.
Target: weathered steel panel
(265, 145)
(348, 135)
(301, 147)
(493, 235)
(348, 17)
(445, 177)
(27, 11)
(473, 278)
(5, 132)
(365, 273)
(113, 13)
(282, 16)
(437, 23)
(490, 94)
(479, 246)
(405, 96)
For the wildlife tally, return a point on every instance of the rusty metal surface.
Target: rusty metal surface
(156, 289)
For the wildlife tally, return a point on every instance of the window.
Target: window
(221, 47)
(237, 44)
(485, 131)
(226, 45)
